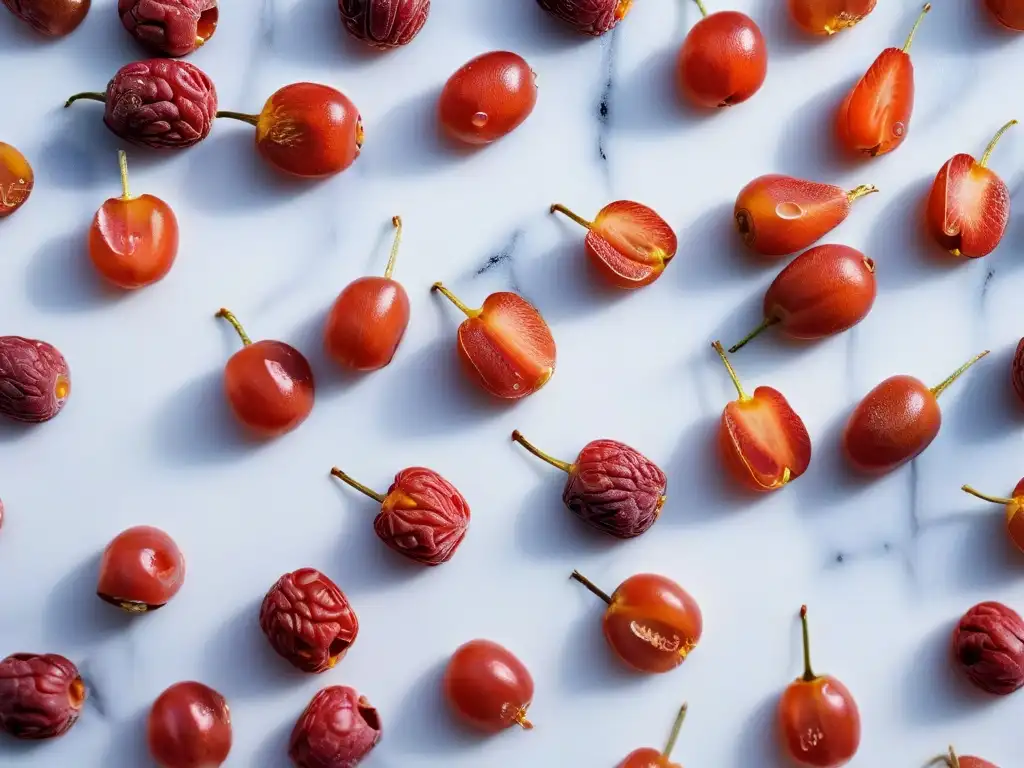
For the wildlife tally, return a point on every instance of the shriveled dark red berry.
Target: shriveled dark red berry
(141, 570)
(384, 23)
(159, 103)
(169, 27)
(1, 513)
(308, 620)
(592, 17)
(189, 726)
(988, 644)
(53, 18)
(337, 730)
(41, 695)
(1017, 371)
(34, 379)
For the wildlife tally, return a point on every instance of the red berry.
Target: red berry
(53, 18)
(189, 727)
(41, 695)
(169, 27)
(488, 687)
(34, 379)
(141, 570)
(337, 730)
(384, 23)
(488, 97)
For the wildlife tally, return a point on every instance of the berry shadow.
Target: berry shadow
(18, 37)
(980, 527)
(957, 28)
(759, 742)
(784, 37)
(829, 478)
(74, 617)
(712, 252)
(809, 147)
(424, 724)
(311, 32)
(587, 664)
(61, 279)
(647, 100)
(330, 378)
(273, 749)
(12, 431)
(128, 746)
(988, 384)
(523, 27)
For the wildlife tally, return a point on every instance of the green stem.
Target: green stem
(397, 222)
(122, 161)
(454, 300)
(591, 586)
(250, 119)
(88, 95)
(562, 465)
(984, 496)
(995, 140)
(379, 498)
(732, 371)
(230, 317)
(703, 10)
(913, 31)
(957, 374)
(673, 737)
(858, 192)
(766, 324)
(559, 208)
(809, 676)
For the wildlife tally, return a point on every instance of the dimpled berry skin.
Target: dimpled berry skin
(988, 644)
(591, 17)
(41, 695)
(161, 103)
(1017, 371)
(337, 730)
(384, 23)
(308, 620)
(34, 380)
(423, 517)
(615, 488)
(169, 27)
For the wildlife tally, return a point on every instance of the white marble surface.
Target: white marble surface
(886, 567)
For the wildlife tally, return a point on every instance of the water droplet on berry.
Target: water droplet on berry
(480, 119)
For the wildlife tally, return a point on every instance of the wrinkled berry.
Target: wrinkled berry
(308, 620)
(159, 103)
(1, 513)
(53, 18)
(337, 730)
(189, 726)
(384, 23)
(988, 644)
(34, 379)
(41, 695)
(1017, 371)
(592, 17)
(169, 27)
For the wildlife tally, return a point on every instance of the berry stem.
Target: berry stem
(591, 586)
(397, 222)
(122, 161)
(732, 371)
(379, 498)
(454, 300)
(957, 374)
(250, 119)
(766, 324)
(87, 95)
(673, 736)
(913, 31)
(559, 208)
(562, 465)
(950, 760)
(230, 317)
(703, 10)
(809, 676)
(521, 721)
(858, 192)
(984, 496)
(995, 140)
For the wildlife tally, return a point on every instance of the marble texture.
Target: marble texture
(886, 566)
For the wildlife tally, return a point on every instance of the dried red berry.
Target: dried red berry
(988, 643)
(1, 513)
(169, 27)
(592, 17)
(159, 103)
(611, 486)
(53, 18)
(34, 379)
(41, 695)
(337, 730)
(308, 620)
(1017, 371)
(422, 516)
(384, 23)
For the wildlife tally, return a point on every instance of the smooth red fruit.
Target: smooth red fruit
(16, 180)
(826, 17)
(1009, 13)
(723, 60)
(952, 760)
(189, 727)
(818, 716)
(895, 422)
(41, 695)
(141, 570)
(875, 116)
(133, 241)
(53, 18)
(777, 215)
(629, 243)
(823, 291)
(307, 129)
(506, 346)
(1014, 509)
(488, 687)
(369, 318)
(763, 442)
(269, 384)
(647, 757)
(969, 205)
(488, 97)
(651, 623)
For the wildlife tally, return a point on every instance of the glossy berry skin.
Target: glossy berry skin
(1, 513)
(777, 215)
(487, 98)
(487, 687)
(41, 695)
(53, 18)
(367, 323)
(308, 620)
(269, 385)
(820, 722)
(647, 757)
(35, 380)
(826, 17)
(723, 60)
(1009, 13)
(591, 17)
(189, 726)
(338, 729)
(16, 180)
(141, 570)
(169, 27)
(988, 647)
(384, 24)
